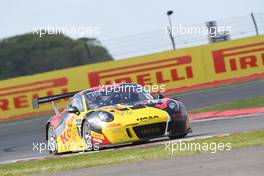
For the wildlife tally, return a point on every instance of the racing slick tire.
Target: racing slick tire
(178, 136)
(52, 141)
(87, 137)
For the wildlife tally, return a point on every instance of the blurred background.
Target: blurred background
(114, 30)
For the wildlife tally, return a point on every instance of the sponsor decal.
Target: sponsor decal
(161, 71)
(97, 140)
(20, 96)
(239, 58)
(113, 125)
(147, 118)
(67, 133)
(97, 135)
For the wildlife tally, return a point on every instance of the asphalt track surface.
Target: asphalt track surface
(234, 92)
(17, 138)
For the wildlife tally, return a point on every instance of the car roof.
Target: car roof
(104, 87)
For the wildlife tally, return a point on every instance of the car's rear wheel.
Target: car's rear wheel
(52, 141)
(178, 136)
(87, 137)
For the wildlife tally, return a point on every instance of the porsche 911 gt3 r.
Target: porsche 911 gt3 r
(115, 114)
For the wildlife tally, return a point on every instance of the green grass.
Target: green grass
(240, 104)
(248, 139)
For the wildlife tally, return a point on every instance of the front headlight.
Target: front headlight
(105, 116)
(173, 105)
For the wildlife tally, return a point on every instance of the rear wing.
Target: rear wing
(37, 101)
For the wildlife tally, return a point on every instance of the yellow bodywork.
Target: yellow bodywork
(114, 132)
(128, 120)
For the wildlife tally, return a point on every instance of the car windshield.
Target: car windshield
(116, 95)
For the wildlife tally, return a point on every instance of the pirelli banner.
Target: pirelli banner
(180, 69)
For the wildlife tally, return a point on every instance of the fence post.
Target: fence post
(254, 22)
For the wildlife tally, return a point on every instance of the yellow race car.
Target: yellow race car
(114, 114)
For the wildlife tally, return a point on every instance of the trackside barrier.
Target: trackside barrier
(183, 68)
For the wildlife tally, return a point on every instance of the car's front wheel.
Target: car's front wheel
(52, 141)
(178, 136)
(87, 137)
(141, 142)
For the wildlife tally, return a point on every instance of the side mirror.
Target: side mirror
(73, 109)
(158, 96)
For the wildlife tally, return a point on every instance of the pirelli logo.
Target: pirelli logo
(239, 58)
(20, 96)
(160, 71)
